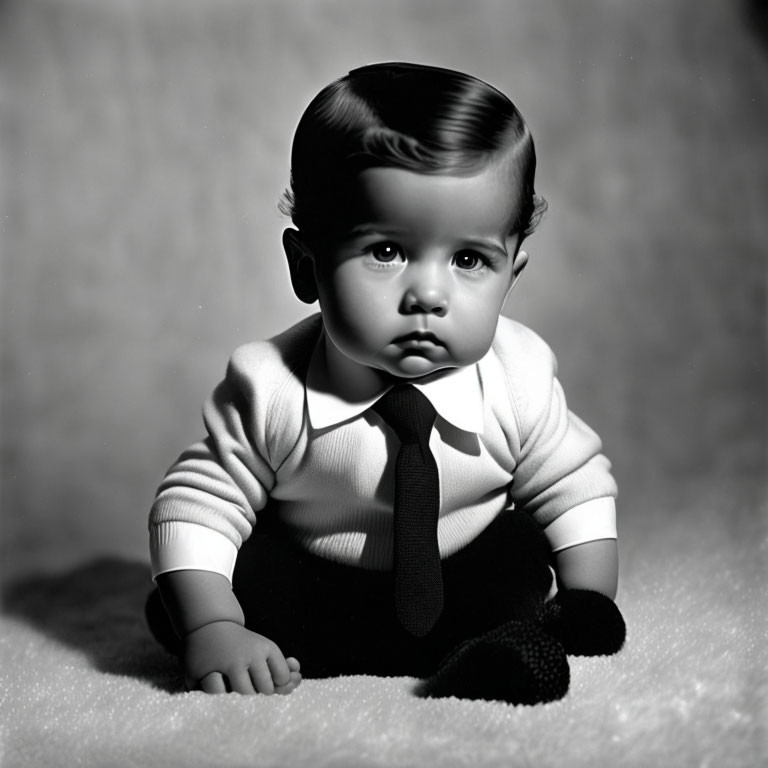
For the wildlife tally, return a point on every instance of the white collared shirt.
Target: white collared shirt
(456, 395)
(284, 426)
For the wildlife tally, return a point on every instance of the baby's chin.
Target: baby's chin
(416, 367)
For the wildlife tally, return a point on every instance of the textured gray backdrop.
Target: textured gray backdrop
(144, 147)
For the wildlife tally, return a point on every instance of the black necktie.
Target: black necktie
(418, 573)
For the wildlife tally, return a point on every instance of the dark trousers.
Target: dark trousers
(340, 620)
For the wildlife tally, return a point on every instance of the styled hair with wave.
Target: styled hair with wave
(420, 118)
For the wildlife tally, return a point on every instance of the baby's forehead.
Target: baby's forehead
(481, 202)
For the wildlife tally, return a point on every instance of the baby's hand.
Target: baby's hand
(224, 656)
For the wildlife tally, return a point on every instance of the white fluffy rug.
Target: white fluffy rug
(82, 684)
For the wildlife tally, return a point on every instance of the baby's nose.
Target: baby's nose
(426, 300)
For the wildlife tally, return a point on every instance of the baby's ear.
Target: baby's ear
(521, 259)
(301, 265)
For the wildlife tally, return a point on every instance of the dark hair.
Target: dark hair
(421, 118)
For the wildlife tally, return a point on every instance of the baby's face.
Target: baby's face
(418, 280)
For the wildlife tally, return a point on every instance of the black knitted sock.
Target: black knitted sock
(516, 663)
(587, 623)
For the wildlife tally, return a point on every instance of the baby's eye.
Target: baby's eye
(386, 252)
(468, 260)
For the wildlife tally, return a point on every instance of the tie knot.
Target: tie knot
(408, 412)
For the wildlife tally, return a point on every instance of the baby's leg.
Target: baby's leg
(503, 575)
(517, 662)
(334, 619)
(496, 590)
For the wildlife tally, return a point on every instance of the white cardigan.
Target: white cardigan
(277, 430)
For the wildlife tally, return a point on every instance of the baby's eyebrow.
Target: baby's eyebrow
(490, 244)
(370, 229)
(363, 230)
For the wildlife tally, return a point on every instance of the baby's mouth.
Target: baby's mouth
(418, 339)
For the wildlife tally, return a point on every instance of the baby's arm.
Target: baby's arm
(206, 507)
(593, 565)
(219, 653)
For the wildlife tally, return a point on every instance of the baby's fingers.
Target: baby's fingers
(294, 677)
(213, 682)
(279, 669)
(262, 678)
(291, 685)
(240, 681)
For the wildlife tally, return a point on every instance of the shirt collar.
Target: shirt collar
(337, 396)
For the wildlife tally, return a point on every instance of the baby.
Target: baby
(394, 486)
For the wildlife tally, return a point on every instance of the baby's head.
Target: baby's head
(420, 118)
(412, 188)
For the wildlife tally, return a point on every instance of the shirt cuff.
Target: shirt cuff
(181, 546)
(591, 521)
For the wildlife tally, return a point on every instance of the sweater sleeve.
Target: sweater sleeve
(218, 485)
(560, 465)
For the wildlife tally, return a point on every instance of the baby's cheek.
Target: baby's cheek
(474, 342)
